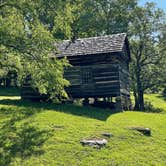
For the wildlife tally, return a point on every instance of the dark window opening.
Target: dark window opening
(86, 76)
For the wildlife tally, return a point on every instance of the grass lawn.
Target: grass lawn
(47, 134)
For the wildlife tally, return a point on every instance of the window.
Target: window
(86, 76)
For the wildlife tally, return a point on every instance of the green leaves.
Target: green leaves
(26, 45)
(63, 21)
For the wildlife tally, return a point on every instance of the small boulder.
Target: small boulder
(109, 135)
(144, 131)
(97, 143)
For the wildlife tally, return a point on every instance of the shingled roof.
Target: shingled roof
(92, 45)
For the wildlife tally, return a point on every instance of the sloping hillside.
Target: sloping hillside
(47, 134)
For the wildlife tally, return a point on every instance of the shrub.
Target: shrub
(150, 108)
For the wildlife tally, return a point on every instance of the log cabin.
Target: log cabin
(100, 68)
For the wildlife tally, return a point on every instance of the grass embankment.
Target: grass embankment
(47, 134)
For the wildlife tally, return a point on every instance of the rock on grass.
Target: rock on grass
(109, 135)
(144, 131)
(97, 143)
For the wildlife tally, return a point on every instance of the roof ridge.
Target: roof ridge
(96, 37)
(116, 34)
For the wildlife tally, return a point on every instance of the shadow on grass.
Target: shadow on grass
(22, 141)
(90, 112)
(26, 140)
(12, 91)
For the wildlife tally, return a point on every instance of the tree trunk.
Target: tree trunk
(141, 100)
(136, 106)
(140, 92)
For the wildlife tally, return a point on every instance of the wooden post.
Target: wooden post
(86, 101)
(95, 99)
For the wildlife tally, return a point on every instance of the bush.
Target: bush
(150, 108)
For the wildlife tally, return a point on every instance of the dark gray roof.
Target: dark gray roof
(92, 45)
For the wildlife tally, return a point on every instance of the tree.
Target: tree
(114, 16)
(144, 30)
(162, 48)
(29, 42)
(92, 18)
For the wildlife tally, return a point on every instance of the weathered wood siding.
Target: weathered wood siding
(88, 60)
(109, 76)
(102, 76)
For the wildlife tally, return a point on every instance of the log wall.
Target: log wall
(102, 75)
(102, 81)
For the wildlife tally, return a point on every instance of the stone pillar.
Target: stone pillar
(129, 103)
(126, 102)
(104, 99)
(118, 105)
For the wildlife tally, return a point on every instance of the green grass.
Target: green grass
(47, 134)
(157, 100)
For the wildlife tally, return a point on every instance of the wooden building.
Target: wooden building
(100, 67)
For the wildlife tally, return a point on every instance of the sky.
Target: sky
(160, 3)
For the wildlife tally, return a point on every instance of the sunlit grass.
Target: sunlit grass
(10, 97)
(157, 100)
(52, 133)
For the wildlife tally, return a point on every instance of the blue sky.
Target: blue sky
(160, 3)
